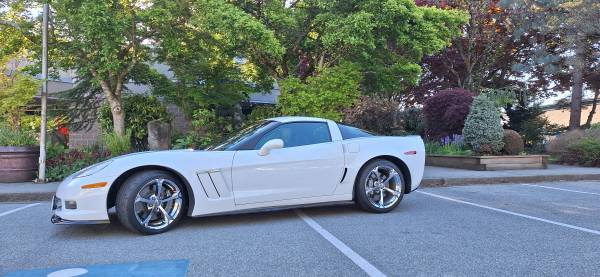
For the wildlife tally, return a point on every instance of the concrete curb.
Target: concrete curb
(429, 183)
(26, 196)
(446, 182)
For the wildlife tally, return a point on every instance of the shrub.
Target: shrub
(73, 160)
(373, 114)
(207, 128)
(446, 111)
(117, 144)
(54, 150)
(437, 148)
(534, 130)
(263, 112)
(449, 145)
(413, 121)
(513, 143)
(573, 146)
(16, 137)
(585, 152)
(595, 125)
(483, 130)
(326, 95)
(139, 110)
(560, 145)
(530, 123)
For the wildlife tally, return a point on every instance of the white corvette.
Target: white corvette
(279, 162)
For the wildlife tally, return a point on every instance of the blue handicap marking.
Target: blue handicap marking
(175, 268)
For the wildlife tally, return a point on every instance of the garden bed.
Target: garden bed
(488, 163)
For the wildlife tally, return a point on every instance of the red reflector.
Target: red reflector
(413, 152)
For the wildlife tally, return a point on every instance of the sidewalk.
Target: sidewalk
(21, 192)
(434, 177)
(442, 176)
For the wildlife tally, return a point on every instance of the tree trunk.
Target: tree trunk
(577, 89)
(590, 117)
(118, 116)
(113, 96)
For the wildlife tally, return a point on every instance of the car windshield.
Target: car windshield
(240, 137)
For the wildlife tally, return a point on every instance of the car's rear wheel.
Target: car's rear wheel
(151, 202)
(379, 187)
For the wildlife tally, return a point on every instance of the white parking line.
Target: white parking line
(596, 232)
(569, 190)
(18, 209)
(357, 259)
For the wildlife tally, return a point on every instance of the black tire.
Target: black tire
(361, 198)
(128, 193)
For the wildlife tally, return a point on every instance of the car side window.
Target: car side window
(298, 134)
(350, 132)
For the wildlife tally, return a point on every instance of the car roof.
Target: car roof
(284, 119)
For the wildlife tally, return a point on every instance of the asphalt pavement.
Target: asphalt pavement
(542, 229)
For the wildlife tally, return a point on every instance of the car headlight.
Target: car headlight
(93, 169)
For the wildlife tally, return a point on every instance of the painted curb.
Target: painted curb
(446, 182)
(26, 196)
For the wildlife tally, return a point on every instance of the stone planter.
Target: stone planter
(18, 164)
(488, 163)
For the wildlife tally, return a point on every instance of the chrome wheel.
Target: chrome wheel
(158, 203)
(383, 186)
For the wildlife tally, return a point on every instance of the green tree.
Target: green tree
(213, 49)
(17, 29)
(387, 39)
(17, 88)
(102, 41)
(568, 29)
(326, 95)
(16, 91)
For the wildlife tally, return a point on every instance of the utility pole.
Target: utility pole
(44, 96)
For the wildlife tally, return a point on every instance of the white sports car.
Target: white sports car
(279, 162)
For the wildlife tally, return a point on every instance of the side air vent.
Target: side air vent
(344, 175)
(214, 184)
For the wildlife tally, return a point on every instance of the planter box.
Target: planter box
(486, 163)
(18, 164)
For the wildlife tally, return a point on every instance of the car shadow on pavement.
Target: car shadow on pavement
(255, 217)
(208, 223)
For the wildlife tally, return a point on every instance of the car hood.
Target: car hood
(184, 161)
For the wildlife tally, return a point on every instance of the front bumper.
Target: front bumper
(55, 219)
(57, 207)
(88, 206)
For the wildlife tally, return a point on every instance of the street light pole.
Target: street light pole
(44, 96)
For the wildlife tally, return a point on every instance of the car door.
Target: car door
(309, 164)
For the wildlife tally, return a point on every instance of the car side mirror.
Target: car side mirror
(270, 145)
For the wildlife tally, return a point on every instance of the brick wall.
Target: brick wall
(81, 138)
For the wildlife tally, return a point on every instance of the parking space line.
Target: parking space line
(596, 232)
(18, 209)
(569, 190)
(342, 247)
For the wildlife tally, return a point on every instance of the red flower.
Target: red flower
(63, 131)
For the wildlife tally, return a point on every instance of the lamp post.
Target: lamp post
(44, 96)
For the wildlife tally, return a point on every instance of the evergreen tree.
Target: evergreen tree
(483, 129)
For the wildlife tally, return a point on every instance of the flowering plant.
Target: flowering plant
(73, 160)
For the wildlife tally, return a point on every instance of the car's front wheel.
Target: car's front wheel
(379, 187)
(150, 202)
